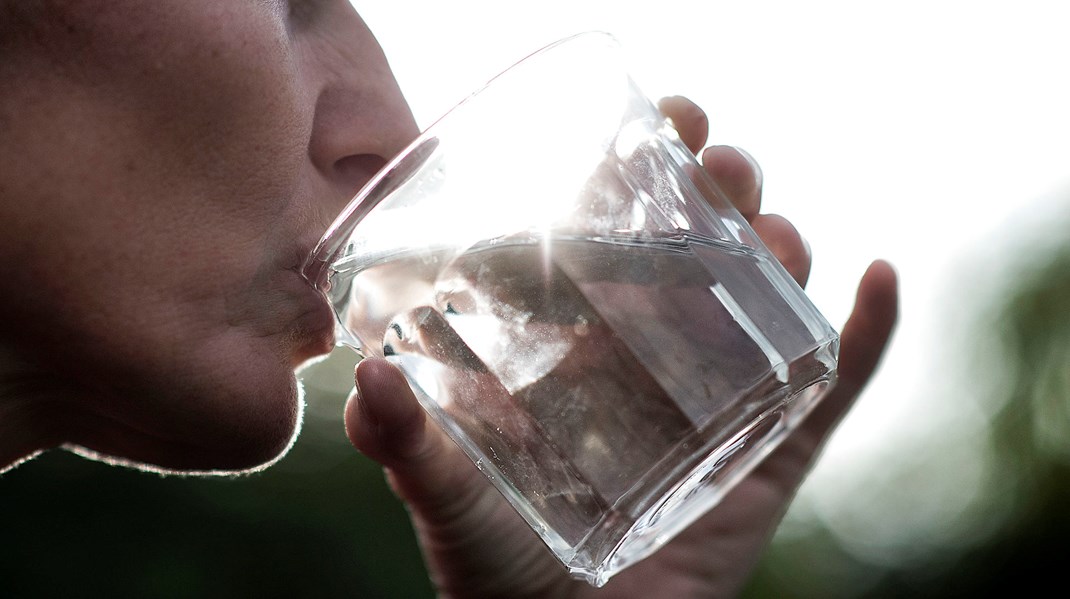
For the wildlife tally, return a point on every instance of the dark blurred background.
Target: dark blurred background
(319, 523)
(322, 523)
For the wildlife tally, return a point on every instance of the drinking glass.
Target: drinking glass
(578, 306)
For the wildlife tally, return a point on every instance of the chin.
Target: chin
(227, 444)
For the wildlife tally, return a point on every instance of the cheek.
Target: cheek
(228, 124)
(205, 103)
(246, 408)
(181, 176)
(206, 144)
(230, 407)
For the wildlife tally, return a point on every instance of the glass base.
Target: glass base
(706, 484)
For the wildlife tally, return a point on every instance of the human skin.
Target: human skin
(475, 545)
(168, 165)
(167, 168)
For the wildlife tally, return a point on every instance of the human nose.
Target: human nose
(361, 118)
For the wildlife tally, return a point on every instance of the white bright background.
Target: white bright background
(933, 134)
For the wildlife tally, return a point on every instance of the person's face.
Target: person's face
(167, 167)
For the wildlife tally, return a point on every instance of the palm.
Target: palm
(476, 545)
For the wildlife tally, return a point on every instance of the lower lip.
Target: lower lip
(314, 329)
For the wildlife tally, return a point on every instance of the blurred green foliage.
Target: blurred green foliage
(1017, 361)
(319, 523)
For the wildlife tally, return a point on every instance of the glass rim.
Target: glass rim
(404, 164)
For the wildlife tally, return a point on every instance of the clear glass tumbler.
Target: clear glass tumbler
(576, 303)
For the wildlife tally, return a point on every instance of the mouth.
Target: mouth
(313, 329)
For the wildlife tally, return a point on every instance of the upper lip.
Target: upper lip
(317, 304)
(313, 324)
(313, 327)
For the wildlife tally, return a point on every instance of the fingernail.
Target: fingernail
(759, 178)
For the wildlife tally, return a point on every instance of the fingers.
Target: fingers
(474, 543)
(382, 418)
(385, 422)
(734, 170)
(690, 121)
(866, 333)
(738, 175)
(781, 237)
(863, 341)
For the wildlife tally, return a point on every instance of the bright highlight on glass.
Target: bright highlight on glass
(578, 306)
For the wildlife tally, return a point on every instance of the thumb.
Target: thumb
(385, 422)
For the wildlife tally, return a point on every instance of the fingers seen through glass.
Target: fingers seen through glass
(738, 175)
(690, 121)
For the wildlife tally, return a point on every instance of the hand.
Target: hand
(475, 545)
